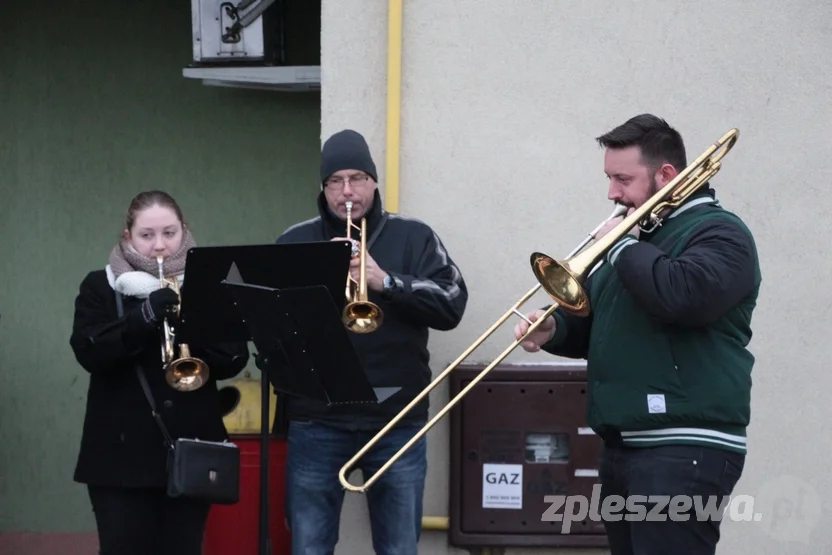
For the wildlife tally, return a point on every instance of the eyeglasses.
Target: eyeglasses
(355, 180)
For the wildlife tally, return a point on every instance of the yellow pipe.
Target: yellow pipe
(435, 523)
(391, 183)
(394, 92)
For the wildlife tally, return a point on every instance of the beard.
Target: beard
(654, 187)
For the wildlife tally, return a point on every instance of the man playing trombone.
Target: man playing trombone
(669, 373)
(410, 285)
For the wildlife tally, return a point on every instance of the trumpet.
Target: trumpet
(563, 281)
(360, 315)
(185, 373)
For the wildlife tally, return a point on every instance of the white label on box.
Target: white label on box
(502, 486)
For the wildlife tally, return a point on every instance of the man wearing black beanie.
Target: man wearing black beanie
(411, 277)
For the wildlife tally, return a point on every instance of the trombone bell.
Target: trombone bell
(560, 281)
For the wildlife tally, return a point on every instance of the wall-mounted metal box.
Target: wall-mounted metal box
(269, 32)
(519, 435)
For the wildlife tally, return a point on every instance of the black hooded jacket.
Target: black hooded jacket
(430, 293)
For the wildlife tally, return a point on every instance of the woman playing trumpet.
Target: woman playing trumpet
(122, 458)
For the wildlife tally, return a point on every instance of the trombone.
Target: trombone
(360, 315)
(185, 373)
(563, 282)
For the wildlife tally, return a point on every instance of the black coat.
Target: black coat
(121, 443)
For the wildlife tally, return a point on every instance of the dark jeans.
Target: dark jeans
(147, 522)
(314, 495)
(667, 471)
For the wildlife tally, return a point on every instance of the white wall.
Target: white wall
(501, 102)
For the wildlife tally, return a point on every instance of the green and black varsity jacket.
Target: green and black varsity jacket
(666, 340)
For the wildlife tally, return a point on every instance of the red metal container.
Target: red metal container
(233, 529)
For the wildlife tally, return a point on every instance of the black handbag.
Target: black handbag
(203, 470)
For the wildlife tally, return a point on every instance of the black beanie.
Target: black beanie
(346, 150)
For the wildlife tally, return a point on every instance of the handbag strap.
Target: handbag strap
(143, 381)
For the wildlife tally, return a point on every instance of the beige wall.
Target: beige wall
(501, 102)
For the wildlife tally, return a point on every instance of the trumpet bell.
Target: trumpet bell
(362, 316)
(561, 283)
(186, 373)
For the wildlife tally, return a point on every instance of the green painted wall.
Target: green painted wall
(93, 109)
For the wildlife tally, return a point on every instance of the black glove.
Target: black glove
(157, 303)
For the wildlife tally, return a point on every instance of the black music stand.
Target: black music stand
(286, 299)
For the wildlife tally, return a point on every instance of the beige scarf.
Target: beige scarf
(134, 274)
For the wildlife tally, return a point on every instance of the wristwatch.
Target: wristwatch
(389, 284)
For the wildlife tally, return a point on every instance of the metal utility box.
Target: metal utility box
(520, 434)
(259, 32)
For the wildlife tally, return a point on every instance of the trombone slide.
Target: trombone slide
(618, 211)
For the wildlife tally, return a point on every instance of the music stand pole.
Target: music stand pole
(265, 547)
